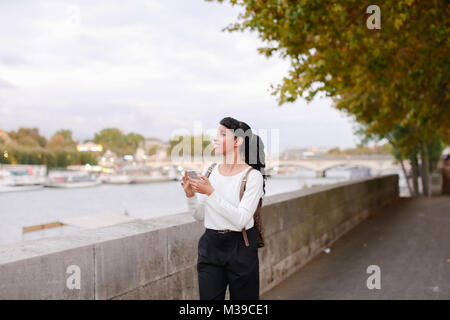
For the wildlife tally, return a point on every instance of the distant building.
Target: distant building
(109, 159)
(89, 147)
(318, 149)
(140, 155)
(302, 153)
(292, 154)
(144, 148)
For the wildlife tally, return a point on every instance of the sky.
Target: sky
(155, 67)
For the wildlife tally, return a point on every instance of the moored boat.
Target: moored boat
(19, 180)
(140, 174)
(70, 179)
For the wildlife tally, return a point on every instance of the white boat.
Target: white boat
(11, 181)
(150, 178)
(116, 179)
(140, 174)
(70, 179)
(6, 188)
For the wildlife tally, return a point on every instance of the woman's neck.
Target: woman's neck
(231, 169)
(232, 161)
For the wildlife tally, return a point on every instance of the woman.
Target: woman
(223, 257)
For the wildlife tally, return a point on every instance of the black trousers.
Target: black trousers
(223, 259)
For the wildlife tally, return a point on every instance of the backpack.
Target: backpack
(256, 216)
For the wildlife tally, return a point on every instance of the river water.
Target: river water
(27, 208)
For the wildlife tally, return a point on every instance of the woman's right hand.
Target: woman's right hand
(187, 186)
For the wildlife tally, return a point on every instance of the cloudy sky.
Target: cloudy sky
(149, 66)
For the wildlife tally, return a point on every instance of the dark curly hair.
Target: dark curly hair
(253, 147)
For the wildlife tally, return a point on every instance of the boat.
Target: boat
(115, 179)
(18, 180)
(12, 188)
(70, 179)
(132, 174)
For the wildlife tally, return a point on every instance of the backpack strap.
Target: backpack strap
(243, 183)
(211, 167)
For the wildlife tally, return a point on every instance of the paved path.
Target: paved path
(409, 241)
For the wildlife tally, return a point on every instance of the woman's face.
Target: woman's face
(224, 141)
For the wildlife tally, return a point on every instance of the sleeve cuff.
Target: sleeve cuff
(212, 196)
(192, 199)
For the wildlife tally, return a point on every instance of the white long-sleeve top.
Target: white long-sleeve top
(222, 208)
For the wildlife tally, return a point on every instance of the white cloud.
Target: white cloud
(145, 66)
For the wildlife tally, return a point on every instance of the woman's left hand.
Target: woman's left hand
(201, 185)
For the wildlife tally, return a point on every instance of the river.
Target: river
(26, 208)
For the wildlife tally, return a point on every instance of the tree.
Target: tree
(132, 142)
(114, 140)
(153, 149)
(57, 141)
(188, 145)
(397, 75)
(403, 150)
(28, 137)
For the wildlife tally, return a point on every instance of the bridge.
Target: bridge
(378, 164)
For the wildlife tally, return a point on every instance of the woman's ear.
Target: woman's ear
(239, 141)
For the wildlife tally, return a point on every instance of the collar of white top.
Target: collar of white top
(234, 175)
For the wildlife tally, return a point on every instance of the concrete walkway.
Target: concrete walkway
(409, 241)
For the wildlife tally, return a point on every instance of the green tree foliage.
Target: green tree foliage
(116, 141)
(29, 147)
(398, 73)
(63, 139)
(28, 137)
(133, 140)
(152, 151)
(403, 150)
(384, 149)
(55, 157)
(393, 78)
(188, 146)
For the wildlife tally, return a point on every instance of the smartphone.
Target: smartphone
(193, 174)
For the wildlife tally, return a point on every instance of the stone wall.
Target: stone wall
(156, 258)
